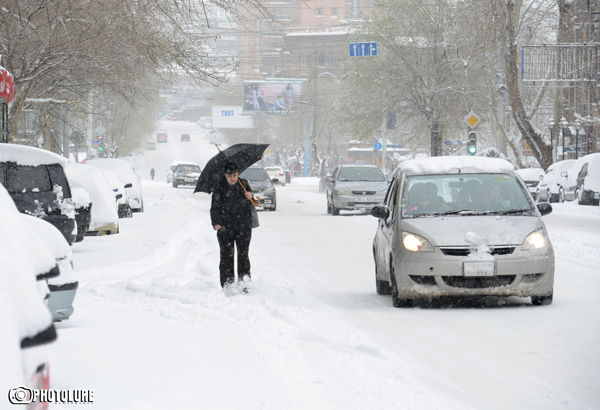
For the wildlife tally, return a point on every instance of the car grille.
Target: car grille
(364, 192)
(468, 282)
(499, 250)
(423, 280)
(531, 278)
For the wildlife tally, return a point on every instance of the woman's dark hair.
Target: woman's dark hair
(231, 167)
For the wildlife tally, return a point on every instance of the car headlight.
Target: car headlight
(535, 240)
(269, 191)
(416, 243)
(341, 192)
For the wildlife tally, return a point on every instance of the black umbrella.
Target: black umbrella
(243, 155)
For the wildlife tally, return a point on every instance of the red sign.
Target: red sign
(7, 85)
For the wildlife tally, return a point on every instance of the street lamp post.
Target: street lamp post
(564, 124)
(577, 126)
(589, 123)
(551, 127)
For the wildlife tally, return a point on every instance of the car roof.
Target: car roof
(24, 155)
(452, 164)
(358, 166)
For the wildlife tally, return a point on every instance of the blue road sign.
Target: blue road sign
(95, 141)
(363, 49)
(378, 146)
(453, 142)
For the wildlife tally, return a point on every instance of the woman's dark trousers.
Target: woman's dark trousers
(229, 239)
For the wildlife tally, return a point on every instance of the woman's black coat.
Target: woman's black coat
(230, 208)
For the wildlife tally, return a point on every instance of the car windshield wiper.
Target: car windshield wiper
(514, 211)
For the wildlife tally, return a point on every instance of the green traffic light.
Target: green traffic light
(472, 149)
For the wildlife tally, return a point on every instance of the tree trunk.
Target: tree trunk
(541, 150)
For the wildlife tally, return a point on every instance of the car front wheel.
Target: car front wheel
(396, 301)
(561, 195)
(541, 300)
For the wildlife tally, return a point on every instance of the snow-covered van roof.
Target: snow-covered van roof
(24, 155)
(443, 165)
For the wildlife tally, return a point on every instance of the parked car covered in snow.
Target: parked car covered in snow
(83, 210)
(532, 178)
(582, 182)
(119, 188)
(36, 181)
(128, 176)
(461, 226)
(26, 263)
(64, 286)
(548, 188)
(104, 216)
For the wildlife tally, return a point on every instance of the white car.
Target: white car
(104, 216)
(276, 174)
(63, 287)
(171, 169)
(120, 190)
(583, 181)
(532, 178)
(547, 190)
(127, 176)
(26, 321)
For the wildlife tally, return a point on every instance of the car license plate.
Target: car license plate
(363, 199)
(478, 268)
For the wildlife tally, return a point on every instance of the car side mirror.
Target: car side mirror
(541, 177)
(544, 207)
(564, 174)
(329, 180)
(129, 185)
(380, 211)
(118, 196)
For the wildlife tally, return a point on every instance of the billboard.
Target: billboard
(227, 116)
(271, 96)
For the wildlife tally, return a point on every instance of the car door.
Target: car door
(385, 231)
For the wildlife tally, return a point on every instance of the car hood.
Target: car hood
(260, 185)
(361, 185)
(456, 230)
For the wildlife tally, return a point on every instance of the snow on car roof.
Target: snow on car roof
(530, 173)
(443, 165)
(24, 155)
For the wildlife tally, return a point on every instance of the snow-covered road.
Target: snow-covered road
(153, 330)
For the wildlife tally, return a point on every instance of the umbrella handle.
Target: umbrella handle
(257, 199)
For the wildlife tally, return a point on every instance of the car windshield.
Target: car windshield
(255, 174)
(472, 194)
(361, 174)
(274, 169)
(188, 168)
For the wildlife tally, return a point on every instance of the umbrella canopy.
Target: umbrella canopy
(243, 155)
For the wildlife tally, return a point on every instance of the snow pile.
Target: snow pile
(442, 165)
(24, 155)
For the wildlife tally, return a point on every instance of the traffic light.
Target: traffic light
(472, 144)
(101, 152)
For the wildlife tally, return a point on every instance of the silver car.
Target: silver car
(457, 226)
(353, 187)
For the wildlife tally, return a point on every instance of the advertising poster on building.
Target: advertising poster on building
(271, 96)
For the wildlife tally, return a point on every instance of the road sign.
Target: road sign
(378, 146)
(95, 141)
(363, 49)
(100, 130)
(453, 142)
(527, 151)
(472, 119)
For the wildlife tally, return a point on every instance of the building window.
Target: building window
(319, 12)
(334, 12)
(303, 63)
